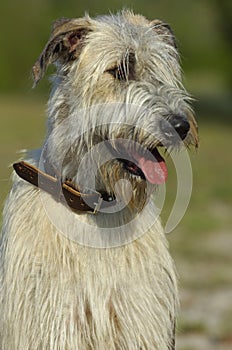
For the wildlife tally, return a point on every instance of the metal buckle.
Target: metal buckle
(100, 198)
(97, 205)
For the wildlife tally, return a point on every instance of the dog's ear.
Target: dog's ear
(65, 43)
(164, 30)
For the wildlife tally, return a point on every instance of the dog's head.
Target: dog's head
(119, 81)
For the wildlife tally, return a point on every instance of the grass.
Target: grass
(211, 203)
(22, 127)
(190, 327)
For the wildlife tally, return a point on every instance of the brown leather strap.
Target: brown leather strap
(63, 192)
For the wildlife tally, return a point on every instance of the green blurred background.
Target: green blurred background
(202, 243)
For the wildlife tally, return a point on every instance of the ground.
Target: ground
(205, 321)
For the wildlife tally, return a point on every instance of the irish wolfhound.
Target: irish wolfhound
(84, 260)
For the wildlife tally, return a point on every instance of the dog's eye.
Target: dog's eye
(118, 73)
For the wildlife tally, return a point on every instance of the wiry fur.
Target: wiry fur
(55, 293)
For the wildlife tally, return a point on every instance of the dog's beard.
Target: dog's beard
(133, 190)
(112, 172)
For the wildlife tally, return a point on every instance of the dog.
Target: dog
(84, 259)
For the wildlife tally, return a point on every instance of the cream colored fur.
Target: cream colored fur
(60, 295)
(57, 294)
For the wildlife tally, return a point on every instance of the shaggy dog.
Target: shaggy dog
(84, 259)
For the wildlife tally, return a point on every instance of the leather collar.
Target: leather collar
(64, 192)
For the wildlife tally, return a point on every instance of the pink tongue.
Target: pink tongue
(155, 172)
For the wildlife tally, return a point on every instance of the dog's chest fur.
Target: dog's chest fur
(84, 298)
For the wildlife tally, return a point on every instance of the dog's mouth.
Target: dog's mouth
(150, 166)
(147, 164)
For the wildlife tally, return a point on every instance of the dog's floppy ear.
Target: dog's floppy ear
(163, 29)
(65, 43)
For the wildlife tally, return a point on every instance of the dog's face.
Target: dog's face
(125, 70)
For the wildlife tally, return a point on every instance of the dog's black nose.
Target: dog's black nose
(180, 124)
(174, 125)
